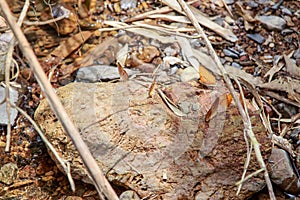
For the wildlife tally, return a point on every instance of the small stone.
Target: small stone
(230, 53)
(184, 107)
(252, 4)
(296, 54)
(229, 2)
(128, 4)
(271, 45)
(8, 173)
(124, 39)
(97, 73)
(129, 195)
(189, 74)
(228, 59)
(229, 20)
(256, 37)
(272, 22)
(282, 172)
(289, 21)
(236, 65)
(286, 11)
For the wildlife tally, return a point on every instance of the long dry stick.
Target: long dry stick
(246, 119)
(101, 183)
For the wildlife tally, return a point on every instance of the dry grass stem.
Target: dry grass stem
(64, 164)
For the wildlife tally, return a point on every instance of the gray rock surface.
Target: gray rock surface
(282, 172)
(272, 22)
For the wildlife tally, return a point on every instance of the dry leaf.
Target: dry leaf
(170, 104)
(206, 77)
(71, 44)
(151, 89)
(122, 72)
(220, 105)
(212, 112)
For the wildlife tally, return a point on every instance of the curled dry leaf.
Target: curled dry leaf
(206, 77)
(151, 89)
(170, 104)
(122, 72)
(220, 105)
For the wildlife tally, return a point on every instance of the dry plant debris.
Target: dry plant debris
(257, 42)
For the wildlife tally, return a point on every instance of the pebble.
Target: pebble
(256, 37)
(236, 65)
(296, 54)
(252, 4)
(287, 31)
(128, 4)
(229, 20)
(229, 59)
(272, 22)
(282, 172)
(229, 2)
(271, 45)
(286, 11)
(129, 195)
(230, 53)
(189, 74)
(96, 73)
(289, 21)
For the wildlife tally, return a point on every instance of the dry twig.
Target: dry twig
(246, 119)
(101, 183)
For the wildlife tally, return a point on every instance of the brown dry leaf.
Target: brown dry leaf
(219, 105)
(71, 44)
(122, 72)
(170, 104)
(151, 89)
(206, 77)
(212, 112)
(291, 67)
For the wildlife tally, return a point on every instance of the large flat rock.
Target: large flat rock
(140, 144)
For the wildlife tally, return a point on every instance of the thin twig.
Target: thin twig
(247, 122)
(101, 183)
(64, 164)
(7, 91)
